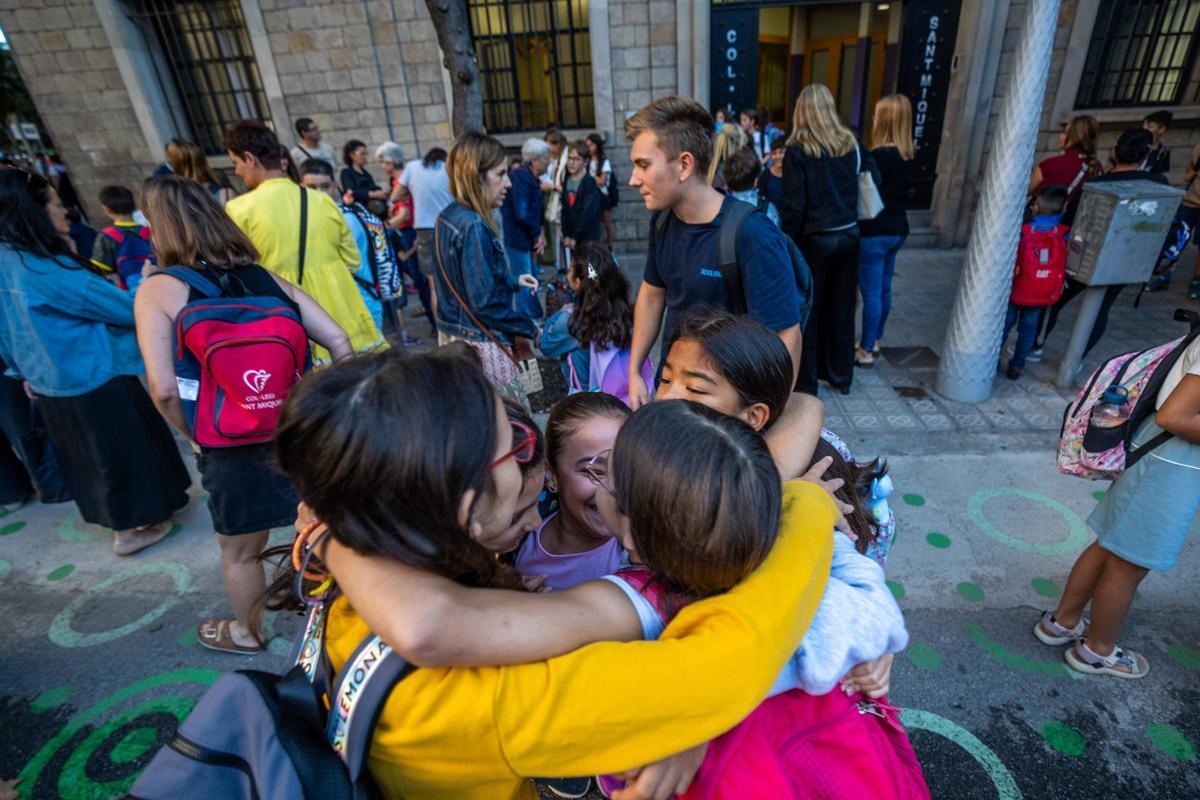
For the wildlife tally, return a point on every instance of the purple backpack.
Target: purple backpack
(259, 736)
(608, 372)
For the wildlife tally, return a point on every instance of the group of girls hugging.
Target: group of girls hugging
(732, 542)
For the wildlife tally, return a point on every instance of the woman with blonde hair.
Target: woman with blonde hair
(730, 139)
(475, 289)
(188, 160)
(820, 213)
(1075, 164)
(247, 496)
(882, 237)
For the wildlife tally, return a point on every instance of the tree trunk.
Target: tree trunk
(454, 37)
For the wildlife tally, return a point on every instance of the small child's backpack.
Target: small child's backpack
(385, 282)
(1041, 266)
(259, 736)
(237, 357)
(133, 250)
(796, 745)
(608, 372)
(1103, 453)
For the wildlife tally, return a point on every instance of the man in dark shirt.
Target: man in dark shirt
(1128, 155)
(672, 141)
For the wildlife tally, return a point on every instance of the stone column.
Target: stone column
(972, 348)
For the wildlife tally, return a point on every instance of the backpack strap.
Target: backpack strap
(114, 233)
(303, 233)
(727, 259)
(193, 279)
(364, 685)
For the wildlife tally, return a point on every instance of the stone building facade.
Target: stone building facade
(371, 70)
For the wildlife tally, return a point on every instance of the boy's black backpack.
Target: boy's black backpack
(259, 736)
(727, 258)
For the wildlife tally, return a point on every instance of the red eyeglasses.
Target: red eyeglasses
(522, 453)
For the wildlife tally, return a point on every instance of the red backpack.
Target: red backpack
(237, 358)
(1041, 266)
(797, 746)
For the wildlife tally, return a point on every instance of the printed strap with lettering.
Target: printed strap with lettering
(366, 681)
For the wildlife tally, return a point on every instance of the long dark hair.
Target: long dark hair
(348, 151)
(856, 491)
(356, 436)
(25, 225)
(603, 314)
(597, 159)
(702, 494)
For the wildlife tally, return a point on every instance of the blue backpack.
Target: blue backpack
(133, 251)
(259, 736)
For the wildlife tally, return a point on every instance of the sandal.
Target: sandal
(1120, 663)
(863, 359)
(139, 539)
(216, 635)
(1048, 631)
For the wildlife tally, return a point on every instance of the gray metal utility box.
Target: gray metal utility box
(1119, 230)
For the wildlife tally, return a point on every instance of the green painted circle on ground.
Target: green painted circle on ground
(969, 591)
(133, 745)
(939, 540)
(914, 499)
(896, 588)
(11, 528)
(1063, 738)
(1077, 534)
(1171, 741)
(1045, 587)
(53, 697)
(1052, 669)
(1184, 656)
(74, 768)
(61, 572)
(1098, 495)
(63, 635)
(923, 656)
(916, 719)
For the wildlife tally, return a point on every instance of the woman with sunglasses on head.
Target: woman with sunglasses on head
(472, 733)
(247, 496)
(69, 334)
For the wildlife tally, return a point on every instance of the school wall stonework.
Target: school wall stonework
(64, 57)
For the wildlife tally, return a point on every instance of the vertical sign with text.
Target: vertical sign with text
(733, 70)
(926, 57)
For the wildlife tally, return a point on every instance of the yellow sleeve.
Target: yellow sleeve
(613, 706)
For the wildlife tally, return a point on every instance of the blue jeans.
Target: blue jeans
(521, 263)
(876, 265)
(1026, 319)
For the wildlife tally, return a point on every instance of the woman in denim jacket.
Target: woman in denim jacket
(68, 333)
(476, 292)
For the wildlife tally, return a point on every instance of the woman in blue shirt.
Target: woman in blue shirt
(69, 334)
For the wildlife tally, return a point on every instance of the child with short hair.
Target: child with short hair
(742, 170)
(1041, 271)
(122, 250)
(592, 335)
(1159, 159)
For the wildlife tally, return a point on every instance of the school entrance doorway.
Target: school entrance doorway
(765, 51)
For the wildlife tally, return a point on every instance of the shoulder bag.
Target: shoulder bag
(870, 204)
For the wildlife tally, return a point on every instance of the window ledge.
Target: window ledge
(518, 138)
(1116, 116)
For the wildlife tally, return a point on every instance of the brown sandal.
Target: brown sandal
(215, 634)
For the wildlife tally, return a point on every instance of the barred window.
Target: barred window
(534, 63)
(1141, 53)
(206, 62)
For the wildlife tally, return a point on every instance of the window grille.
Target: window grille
(209, 60)
(534, 63)
(1141, 53)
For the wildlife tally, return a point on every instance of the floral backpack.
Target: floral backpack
(1103, 453)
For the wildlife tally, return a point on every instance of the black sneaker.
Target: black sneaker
(1013, 373)
(565, 787)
